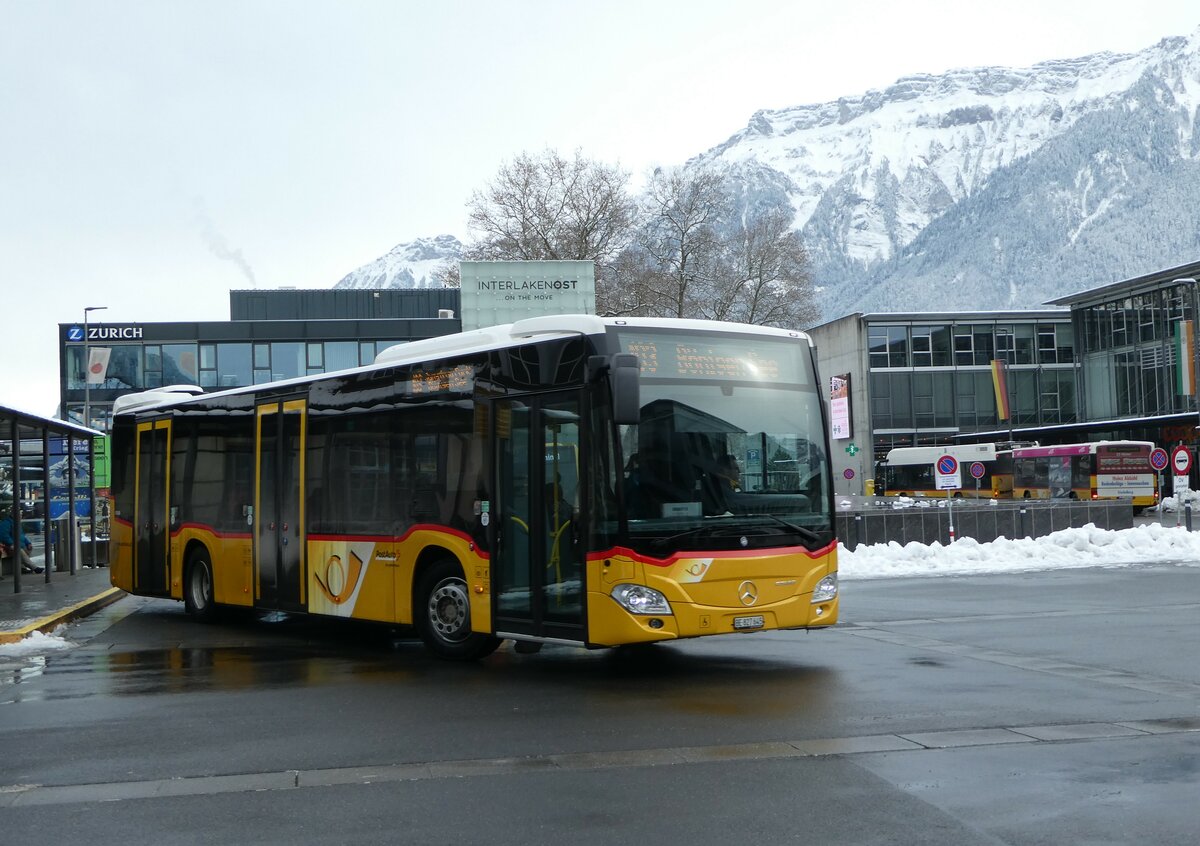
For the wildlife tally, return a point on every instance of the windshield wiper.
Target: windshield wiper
(727, 530)
(718, 530)
(803, 531)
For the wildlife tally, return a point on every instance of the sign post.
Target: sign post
(977, 471)
(1159, 461)
(949, 478)
(1181, 460)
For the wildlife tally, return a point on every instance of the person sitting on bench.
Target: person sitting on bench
(7, 543)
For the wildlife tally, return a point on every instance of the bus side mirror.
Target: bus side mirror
(623, 374)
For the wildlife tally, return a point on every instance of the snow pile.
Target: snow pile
(1068, 549)
(1171, 504)
(35, 643)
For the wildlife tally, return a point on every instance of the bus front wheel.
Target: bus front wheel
(443, 615)
(198, 587)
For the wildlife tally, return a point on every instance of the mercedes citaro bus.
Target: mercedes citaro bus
(563, 479)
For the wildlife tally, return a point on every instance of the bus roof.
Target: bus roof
(930, 454)
(477, 340)
(509, 334)
(1076, 449)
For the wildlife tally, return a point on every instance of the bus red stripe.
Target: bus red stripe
(723, 553)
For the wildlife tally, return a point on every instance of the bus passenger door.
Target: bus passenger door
(538, 573)
(151, 536)
(279, 505)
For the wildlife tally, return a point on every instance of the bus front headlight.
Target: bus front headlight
(639, 599)
(826, 589)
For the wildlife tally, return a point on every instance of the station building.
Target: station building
(1104, 363)
(276, 334)
(1112, 362)
(925, 378)
(287, 333)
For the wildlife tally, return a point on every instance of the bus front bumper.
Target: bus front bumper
(612, 625)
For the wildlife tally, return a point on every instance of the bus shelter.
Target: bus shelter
(48, 484)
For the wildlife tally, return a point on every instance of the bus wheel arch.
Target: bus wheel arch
(442, 608)
(198, 595)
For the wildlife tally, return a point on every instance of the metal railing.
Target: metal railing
(880, 519)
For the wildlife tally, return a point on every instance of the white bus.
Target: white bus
(909, 471)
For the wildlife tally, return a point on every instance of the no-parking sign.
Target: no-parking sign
(948, 472)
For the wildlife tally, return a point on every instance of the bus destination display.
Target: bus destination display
(714, 358)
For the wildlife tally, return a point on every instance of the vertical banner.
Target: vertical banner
(840, 420)
(97, 368)
(1000, 386)
(1185, 359)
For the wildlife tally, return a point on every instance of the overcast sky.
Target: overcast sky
(156, 154)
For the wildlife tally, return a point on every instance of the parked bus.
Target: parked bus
(909, 471)
(562, 479)
(1100, 470)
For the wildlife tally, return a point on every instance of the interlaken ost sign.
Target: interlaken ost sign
(497, 292)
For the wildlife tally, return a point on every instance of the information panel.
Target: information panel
(681, 356)
(840, 421)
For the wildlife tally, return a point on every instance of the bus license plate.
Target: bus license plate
(755, 622)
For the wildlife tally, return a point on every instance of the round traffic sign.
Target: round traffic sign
(1158, 458)
(947, 464)
(977, 470)
(848, 473)
(1181, 459)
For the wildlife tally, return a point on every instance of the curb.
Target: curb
(64, 615)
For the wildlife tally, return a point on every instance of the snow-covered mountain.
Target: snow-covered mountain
(410, 265)
(988, 187)
(982, 188)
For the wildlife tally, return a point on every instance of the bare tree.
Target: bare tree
(547, 207)
(680, 251)
(620, 285)
(447, 275)
(680, 237)
(771, 277)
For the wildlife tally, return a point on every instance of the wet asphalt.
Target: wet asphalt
(1059, 707)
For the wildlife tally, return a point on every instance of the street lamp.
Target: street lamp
(87, 372)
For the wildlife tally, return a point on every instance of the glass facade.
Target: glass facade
(1101, 364)
(1128, 353)
(931, 380)
(214, 364)
(136, 367)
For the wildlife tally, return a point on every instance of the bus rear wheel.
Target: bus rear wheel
(198, 587)
(443, 615)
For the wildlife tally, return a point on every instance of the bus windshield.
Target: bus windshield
(730, 450)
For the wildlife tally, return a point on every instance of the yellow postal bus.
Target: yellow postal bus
(562, 479)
